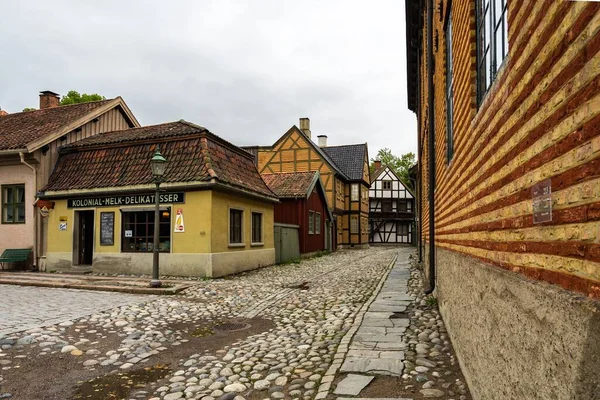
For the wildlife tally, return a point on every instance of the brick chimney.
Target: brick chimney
(3, 113)
(49, 99)
(305, 126)
(377, 164)
(322, 141)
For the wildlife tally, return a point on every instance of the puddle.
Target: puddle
(118, 386)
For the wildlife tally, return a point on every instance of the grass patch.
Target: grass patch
(431, 301)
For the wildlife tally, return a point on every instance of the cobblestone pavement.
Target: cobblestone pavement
(312, 304)
(27, 307)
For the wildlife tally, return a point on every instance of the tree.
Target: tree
(29, 109)
(73, 97)
(400, 165)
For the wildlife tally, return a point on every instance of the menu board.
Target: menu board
(107, 228)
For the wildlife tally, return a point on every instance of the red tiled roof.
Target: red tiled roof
(291, 184)
(19, 129)
(122, 158)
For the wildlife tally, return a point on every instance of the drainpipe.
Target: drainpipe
(35, 218)
(431, 147)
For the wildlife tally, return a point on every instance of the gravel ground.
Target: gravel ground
(171, 347)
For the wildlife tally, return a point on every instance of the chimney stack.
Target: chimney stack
(322, 141)
(305, 126)
(377, 164)
(49, 99)
(3, 113)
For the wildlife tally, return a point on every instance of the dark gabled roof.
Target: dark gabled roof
(19, 129)
(291, 184)
(122, 158)
(378, 172)
(349, 158)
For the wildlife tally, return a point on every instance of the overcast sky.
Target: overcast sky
(246, 70)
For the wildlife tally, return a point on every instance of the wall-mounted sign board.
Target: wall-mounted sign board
(107, 228)
(541, 194)
(133, 200)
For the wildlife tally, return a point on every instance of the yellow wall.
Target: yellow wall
(196, 217)
(222, 202)
(60, 241)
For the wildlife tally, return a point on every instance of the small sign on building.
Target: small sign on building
(179, 226)
(541, 194)
(62, 226)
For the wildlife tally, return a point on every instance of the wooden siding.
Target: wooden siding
(112, 120)
(538, 121)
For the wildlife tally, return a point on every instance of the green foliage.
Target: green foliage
(400, 165)
(29, 109)
(431, 301)
(73, 97)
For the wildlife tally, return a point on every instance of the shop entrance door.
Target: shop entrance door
(85, 237)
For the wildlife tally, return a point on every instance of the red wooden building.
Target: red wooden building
(303, 203)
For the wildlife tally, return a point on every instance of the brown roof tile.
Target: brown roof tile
(291, 184)
(122, 158)
(19, 129)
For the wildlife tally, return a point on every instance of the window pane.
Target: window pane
(317, 223)
(498, 44)
(8, 195)
(20, 213)
(20, 194)
(505, 33)
(8, 213)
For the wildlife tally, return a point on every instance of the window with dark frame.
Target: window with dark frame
(387, 185)
(13, 204)
(402, 206)
(386, 205)
(492, 42)
(449, 91)
(311, 222)
(256, 227)
(317, 223)
(137, 231)
(353, 224)
(354, 192)
(235, 226)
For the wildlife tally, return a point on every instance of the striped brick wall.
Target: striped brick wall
(539, 120)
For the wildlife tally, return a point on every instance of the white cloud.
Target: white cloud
(247, 70)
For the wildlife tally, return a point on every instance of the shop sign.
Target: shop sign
(133, 200)
(44, 212)
(62, 226)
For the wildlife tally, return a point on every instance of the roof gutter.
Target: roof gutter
(35, 215)
(15, 151)
(431, 147)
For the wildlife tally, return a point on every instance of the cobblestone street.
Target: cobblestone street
(279, 332)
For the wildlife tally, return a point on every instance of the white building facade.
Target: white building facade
(391, 209)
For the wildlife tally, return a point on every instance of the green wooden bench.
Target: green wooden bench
(14, 255)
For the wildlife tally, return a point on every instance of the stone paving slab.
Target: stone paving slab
(353, 384)
(27, 307)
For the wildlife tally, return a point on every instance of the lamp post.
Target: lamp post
(159, 164)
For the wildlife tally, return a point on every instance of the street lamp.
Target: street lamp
(158, 164)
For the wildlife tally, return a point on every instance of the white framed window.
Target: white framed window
(354, 192)
(317, 223)
(257, 228)
(236, 226)
(311, 222)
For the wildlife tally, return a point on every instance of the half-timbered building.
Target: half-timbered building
(344, 171)
(391, 208)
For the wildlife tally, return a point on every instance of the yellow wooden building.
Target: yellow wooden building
(344, 171)
(216, 213)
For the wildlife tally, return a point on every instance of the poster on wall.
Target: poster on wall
(179, 226)
(62, 226)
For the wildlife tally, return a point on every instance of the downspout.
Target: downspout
(35, 218)
(431, 147)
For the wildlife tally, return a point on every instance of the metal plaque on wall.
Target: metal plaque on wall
(541, 194)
